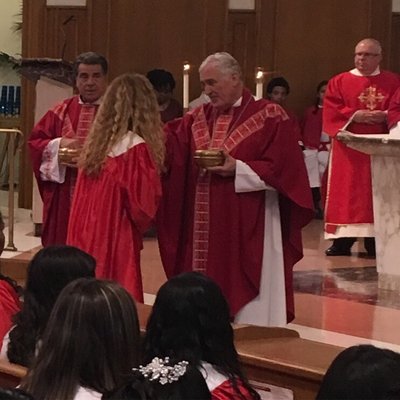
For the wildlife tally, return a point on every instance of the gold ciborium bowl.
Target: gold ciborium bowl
(209, 158)
(67, 156)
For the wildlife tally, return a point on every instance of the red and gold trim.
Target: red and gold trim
(221, 139)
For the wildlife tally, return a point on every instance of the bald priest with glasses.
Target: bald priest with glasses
(356, 101)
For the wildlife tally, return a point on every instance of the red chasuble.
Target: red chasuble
(204, 225)
(110, 212)
(394, 110)
(312, 127)
(68, 119)
(9, 305)
(296, 129)
(349, 188)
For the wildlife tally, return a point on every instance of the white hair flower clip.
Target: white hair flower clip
(159, 369)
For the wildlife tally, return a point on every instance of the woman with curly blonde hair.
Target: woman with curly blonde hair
(118, 187)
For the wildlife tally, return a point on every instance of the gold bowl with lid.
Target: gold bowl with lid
(67, 156)
(209, 158)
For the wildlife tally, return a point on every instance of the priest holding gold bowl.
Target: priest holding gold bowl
(235, 196)
(56, 142)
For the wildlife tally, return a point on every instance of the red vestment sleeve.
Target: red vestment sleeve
(170, 221)
(336, 113)
(44, 131)
(394, 110)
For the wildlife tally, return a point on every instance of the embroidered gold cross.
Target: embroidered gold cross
(371, 97)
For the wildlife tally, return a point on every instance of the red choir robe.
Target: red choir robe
(9, 305)
(349, 189)
(69, 119)
(110, 212)
(227, 243)
(312, 127)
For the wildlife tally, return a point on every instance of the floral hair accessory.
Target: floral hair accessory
(159, 369)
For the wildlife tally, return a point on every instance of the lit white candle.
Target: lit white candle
(259, 83)
(186, 69)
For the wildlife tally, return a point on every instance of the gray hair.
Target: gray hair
(225, 62)
(91, 58)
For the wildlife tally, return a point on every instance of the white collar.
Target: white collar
(95, 103)
(238, 102)
(356, 72)
(127, 142)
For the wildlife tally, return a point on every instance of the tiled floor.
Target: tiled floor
(337, 298)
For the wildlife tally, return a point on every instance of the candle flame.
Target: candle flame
(259, 74)
(186, 67)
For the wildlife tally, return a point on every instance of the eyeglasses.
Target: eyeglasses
(366, 54)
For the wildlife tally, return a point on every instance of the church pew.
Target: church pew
(279, 357)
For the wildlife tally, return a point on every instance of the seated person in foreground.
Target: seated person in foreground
(9, 304)
(190, 321)
(9, 294)
(163, 379)
(50, 270)
(90, 344)
(362, 372)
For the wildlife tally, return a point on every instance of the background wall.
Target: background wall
(10, 42)
(304, 40)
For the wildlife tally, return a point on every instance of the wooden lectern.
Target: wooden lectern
(384, 150)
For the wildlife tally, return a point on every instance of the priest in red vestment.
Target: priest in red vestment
(356, 101)
(65, 127)
(239, 223)
(118, 187)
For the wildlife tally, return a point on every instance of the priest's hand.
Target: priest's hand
(369, 117)
(70, 143)
(227, 169)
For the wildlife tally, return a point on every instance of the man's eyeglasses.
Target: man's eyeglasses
(366, 54)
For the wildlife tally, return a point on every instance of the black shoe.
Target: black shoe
(319, 214)
(335, 251)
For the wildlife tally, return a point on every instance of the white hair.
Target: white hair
(225, 62)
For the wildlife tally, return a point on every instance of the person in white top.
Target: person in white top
(190, 321)
(90, 344)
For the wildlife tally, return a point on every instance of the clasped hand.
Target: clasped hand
(370, 117)
(227, 169)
